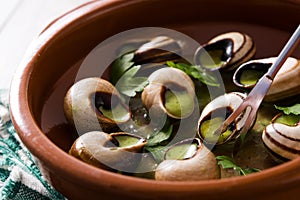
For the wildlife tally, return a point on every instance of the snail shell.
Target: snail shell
(200, 165)
(174, 80)
(107, 151)
(220, 108)
(285, 84)
(287, 81)
(83, 101)
(157, 50)
(282, 139)
(225, 51)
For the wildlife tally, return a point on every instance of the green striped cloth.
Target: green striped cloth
(20, 177)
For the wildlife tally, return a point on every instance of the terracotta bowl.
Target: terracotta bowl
(50, 67)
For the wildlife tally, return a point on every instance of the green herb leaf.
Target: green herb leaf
(120, 66)
(195, 72)
(228, 163)
(160, 136)
(158, 152)
(250, 171)
(295, 109)
(130, 85)
(154, 142)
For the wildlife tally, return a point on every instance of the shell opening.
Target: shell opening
(247, 75)
(290, 120)
(110, 106)
(123, 140)
(176, 100)
(212, 122)
(182, 150)
(215, 55)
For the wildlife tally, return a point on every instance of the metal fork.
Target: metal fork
(257, 94)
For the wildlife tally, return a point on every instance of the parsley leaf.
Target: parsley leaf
(154, 142)
(295, 109)
(195, 72)
(228, 163)
(130, 85)
(250, 170)
(157, 152)
(120, 66)
(160, 136)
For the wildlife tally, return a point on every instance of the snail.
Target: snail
(226, 51)
(215, 113)
(116, 151)
(157, 50)
(170, 91)
(187, 160)
(94, 104)
(285, 84)
(283, 139)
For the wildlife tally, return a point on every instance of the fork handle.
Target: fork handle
(260, 90)
(284, 54)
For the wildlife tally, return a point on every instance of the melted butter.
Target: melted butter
(250, 76)
(182, 151)
(178, 103)
(209, 127)
(118, 113)
(125, 140)
(212, 59)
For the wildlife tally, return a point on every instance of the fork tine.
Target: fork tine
(231, 118)
(248, 122)
(240, 140)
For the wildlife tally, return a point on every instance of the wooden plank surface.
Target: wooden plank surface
(20, 22)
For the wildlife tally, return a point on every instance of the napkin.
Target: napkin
(20, 177)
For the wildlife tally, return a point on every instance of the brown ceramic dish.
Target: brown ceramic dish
(54, 58)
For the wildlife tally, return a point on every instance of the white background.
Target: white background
(20, 22)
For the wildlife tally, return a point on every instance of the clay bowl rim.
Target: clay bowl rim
(51, 155)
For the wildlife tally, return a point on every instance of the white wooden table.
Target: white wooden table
(20, 22)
